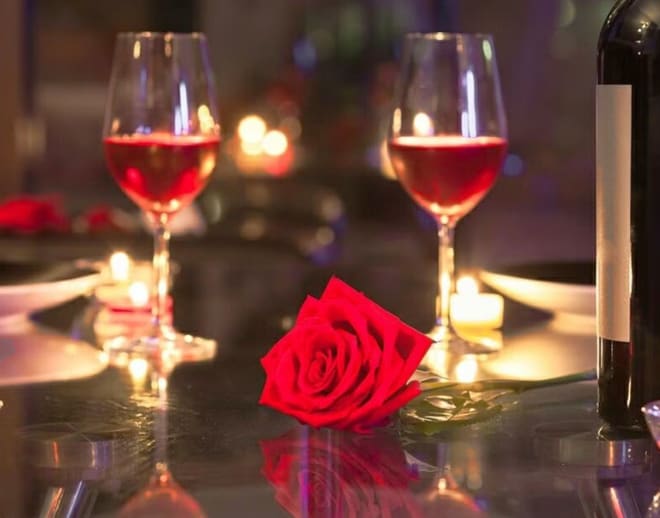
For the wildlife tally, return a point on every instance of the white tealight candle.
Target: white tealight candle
(120, 267)
(469, 308)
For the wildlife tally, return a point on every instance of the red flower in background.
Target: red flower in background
(326, 474)
(346, 363)
(31, 215)
(104, 218)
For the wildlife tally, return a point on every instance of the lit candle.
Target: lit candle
(120, 267)
(471, 309)
(126, 310)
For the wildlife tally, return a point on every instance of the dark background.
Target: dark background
(330, 66)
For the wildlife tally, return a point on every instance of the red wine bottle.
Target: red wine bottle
(628, 211)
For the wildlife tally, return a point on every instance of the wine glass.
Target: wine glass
(161, 137)
(447, 141)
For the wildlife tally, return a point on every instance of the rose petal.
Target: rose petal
(348, 349)
(272, 357)
(285, 378)
(311, 341)
(346, 345)
(308, 309)
(398, 340)
(319, 376)
(412, 346)
(365, 423)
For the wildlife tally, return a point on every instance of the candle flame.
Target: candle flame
(467, 286)
(120, 266)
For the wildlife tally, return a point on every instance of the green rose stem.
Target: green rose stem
(433, 388)
(445, 404)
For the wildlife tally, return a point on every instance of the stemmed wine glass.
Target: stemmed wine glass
(447, 140)
(161, 137)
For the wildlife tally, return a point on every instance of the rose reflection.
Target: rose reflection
(323, 473)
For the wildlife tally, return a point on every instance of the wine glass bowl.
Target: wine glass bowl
(447, 174)
(161, 173)
(447, 138)
(161, 137)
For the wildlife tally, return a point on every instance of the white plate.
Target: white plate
(34, 354)
(29, 287)
(559, 288)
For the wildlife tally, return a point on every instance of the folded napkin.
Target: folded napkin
(32, 215)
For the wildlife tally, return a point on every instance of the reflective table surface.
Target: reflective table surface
(110, 445)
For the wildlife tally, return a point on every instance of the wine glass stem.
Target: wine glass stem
(160, 423)
(445, 274)
(161, 274)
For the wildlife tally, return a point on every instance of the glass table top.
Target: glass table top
(106, 445)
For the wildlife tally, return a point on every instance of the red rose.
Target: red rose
(27, 215)
(104, 218)
(345, 364)
(327, 474)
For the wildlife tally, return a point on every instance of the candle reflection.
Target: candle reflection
(467, 369)
(162, 496)
(138, 368)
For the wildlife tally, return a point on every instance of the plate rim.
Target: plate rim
(586, 288)
(11, 289)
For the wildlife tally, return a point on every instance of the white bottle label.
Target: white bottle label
(613, 170)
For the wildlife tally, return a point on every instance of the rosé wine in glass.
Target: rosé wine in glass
(161, 172)
(447, 174)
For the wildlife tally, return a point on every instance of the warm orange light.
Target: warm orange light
(251, 129)
(137, 368)
(275, 143)
(422, 125)
(206, 122)
(467, 286)
(251, 148)
(138, 292)
(470, 309)
(466, 369)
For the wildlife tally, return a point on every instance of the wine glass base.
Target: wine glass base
(166, 350)
(455, 344)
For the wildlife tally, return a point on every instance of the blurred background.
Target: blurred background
(304, 89)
